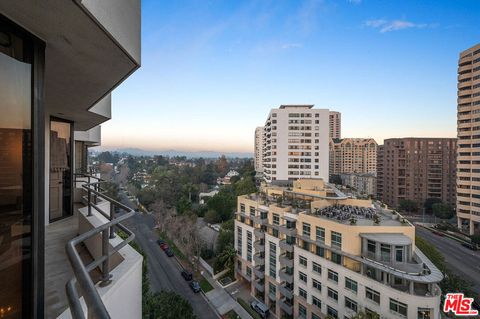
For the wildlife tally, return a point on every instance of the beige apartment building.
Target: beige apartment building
(335, 119)
(258, 162)
(417, 169)
(468, 130)
(363, 184)
(353, 155)
(309, 251)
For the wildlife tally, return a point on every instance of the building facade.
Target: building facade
(380, 172)
(310, 251)
(59, 62)
(353, 155)
(364, 184)
(295, 143)
(417, 169)
(258, 156)
(335, 119)
(468, 132)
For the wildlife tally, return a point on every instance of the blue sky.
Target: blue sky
(212, 70)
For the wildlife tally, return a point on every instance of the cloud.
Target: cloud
(292, 46)
(395, 25)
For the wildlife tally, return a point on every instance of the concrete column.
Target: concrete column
(459, 223)
(411, 288)
(472, 227)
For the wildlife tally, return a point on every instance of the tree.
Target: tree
(106, 157)
(222, 165)
(475, 239)
(364, 315)
(443, 211)
(227, 257)
(429, 203)
(169, 305)
(408, 205)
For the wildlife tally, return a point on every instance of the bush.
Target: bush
(249, 309)
(169, 305)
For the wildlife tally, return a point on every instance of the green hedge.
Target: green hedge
(247, 307)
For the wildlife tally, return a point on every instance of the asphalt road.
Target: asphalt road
(463, 261)
(163, 271)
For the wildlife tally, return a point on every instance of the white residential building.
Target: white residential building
(258, 162)
(295, 143)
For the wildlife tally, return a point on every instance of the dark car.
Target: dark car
(470, 246)
(195, 286)
(160, 242)
(187, 275)
(164, 246)
(169, 252)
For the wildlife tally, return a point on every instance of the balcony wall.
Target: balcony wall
(92, 136)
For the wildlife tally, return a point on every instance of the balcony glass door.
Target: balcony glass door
(60, 169)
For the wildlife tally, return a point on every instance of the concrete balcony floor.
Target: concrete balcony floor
(57, 267)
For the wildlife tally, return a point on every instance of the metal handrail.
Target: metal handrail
(95, 306)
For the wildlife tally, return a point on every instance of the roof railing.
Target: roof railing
(95, 306)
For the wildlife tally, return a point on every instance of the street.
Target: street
(462, 261)
(164, 272)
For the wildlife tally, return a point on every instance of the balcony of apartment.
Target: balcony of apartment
(286, 261)
(259, 271)
(288, 231)
(286, 305)
(286, 245)
(259, 259)
(466, 66)
(261, 220)
(286, 274)
(259, 233)
(285, 290)
(244, 276)
(464, 76)
(96, 259)
(260, 285)
(259, 245)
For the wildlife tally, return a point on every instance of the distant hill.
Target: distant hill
(171, 153)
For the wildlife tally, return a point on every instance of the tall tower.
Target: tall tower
(335, 124)
(258, 162)
(468, 131)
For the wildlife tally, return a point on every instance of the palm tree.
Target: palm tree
(227, 257)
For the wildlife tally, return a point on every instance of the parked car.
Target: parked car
(164, 246)
(195, 286)
(470, 246)
(169, 252)
(260, 308)
(187, 275)
(160, 242)
(438, 233)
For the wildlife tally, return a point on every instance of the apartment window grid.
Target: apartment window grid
(249, 246)
(317, 285)
(373, 295)
(252, 211)
(332, 312)
(303, 261)
(302, 293)
(333, 276)
(316, 268)
(272, 288)
(242, 208)
(336, 240)
(316, 302)
(306, 229)
(320, 251)
(302, 311)
(249, 272)
(398, 307)
(315, 316)
(273, 260)
(276, 219)
(332, 293)
(320, 234)
(351, 285)
(350, 304)
(302, 276)
(239, 240)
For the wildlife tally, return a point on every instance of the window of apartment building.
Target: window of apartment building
(303, 261)
(332, 312)
(351, 285)
(333, 276)
(239, 240)
(316, 268)
(398, 307)
(302, 311)
(336, 240)
(249, 245)
(252, 211)
(373, 295)
(302, 276)
(315, 316)
(320, 234)
(371, 314)
(306, 229)
(249, 272)
(320, 251)
(336, 258)
(302, 293)
(276, 219)
(273, 260)
(317, 285)
(275, 232)
(424, 313)
(350, 304)
(371, 247)
(399, 254)
(242, 208)
(272, 289)
(385, 251)
(316, 302)
(332, 293)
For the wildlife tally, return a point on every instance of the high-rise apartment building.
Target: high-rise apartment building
(295, 143)
(258, 156)
(59, 62)
(335, 122)
(310, 251)
(353, 155)
(380, 177)
(468, 131)
(417, 169)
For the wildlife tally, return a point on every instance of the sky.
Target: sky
(212, 70)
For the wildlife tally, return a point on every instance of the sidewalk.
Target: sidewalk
(222, 300)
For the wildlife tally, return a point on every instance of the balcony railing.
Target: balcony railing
(285, 261)
(259, 259)
(286, 306)
(287, 246)
(285, 291)
(95, 305)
